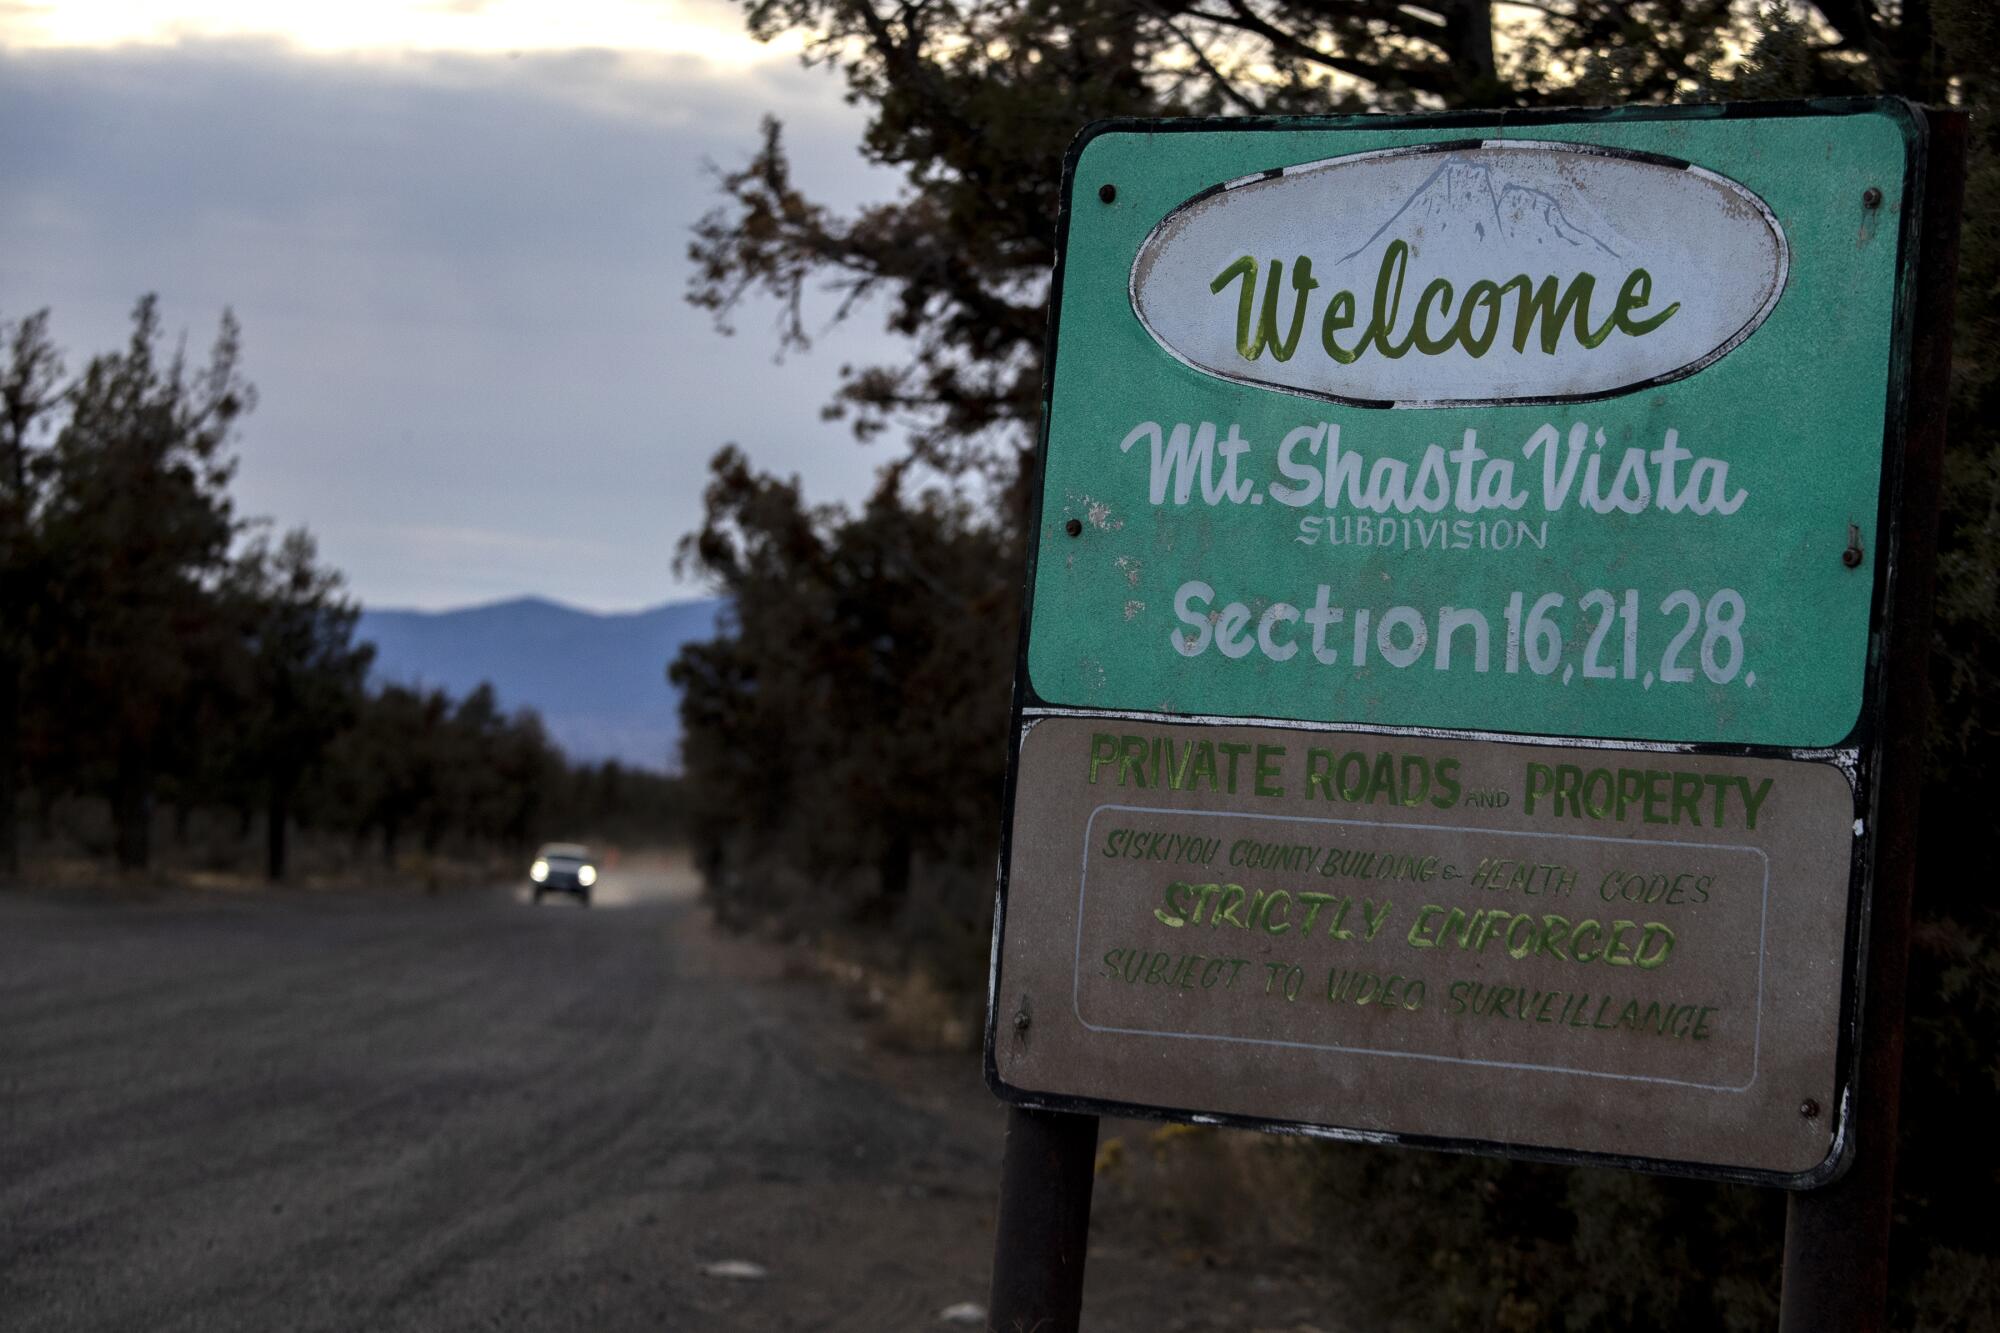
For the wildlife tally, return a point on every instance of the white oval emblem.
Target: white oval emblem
(1483, 272)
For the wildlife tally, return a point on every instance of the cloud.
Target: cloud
(460, 279)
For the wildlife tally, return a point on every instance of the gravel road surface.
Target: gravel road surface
(303, 1112)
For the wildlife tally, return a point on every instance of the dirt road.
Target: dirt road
(382, 1113)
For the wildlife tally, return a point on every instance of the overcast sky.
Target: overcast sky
(455, 232)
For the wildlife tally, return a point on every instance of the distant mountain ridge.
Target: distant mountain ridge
(598, 680)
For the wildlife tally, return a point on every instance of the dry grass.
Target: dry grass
(1204, 1191)
(906, 1011)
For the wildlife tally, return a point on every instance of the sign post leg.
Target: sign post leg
(1046, 1174)
(1836, 1267)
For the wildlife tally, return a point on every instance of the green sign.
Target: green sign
(1564, 429)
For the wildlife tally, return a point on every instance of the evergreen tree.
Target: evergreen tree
(137, 527)
(847, 727)
(31, 394)
(305, 674)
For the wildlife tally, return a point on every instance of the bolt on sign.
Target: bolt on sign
(1447, 710)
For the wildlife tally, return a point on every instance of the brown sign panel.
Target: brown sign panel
(1612, 951)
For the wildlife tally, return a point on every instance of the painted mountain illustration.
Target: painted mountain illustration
(1470, 204)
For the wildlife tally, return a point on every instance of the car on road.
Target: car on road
(563, 867)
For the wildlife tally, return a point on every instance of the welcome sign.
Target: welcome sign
(1546, 292)
(1563, 439)
(1444, 706)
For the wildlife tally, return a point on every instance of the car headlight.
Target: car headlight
(539, 871)
(586, 875)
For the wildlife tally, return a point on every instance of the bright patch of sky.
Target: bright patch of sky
(471, 27)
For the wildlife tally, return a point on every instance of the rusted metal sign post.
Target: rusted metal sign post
(1452, 711)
